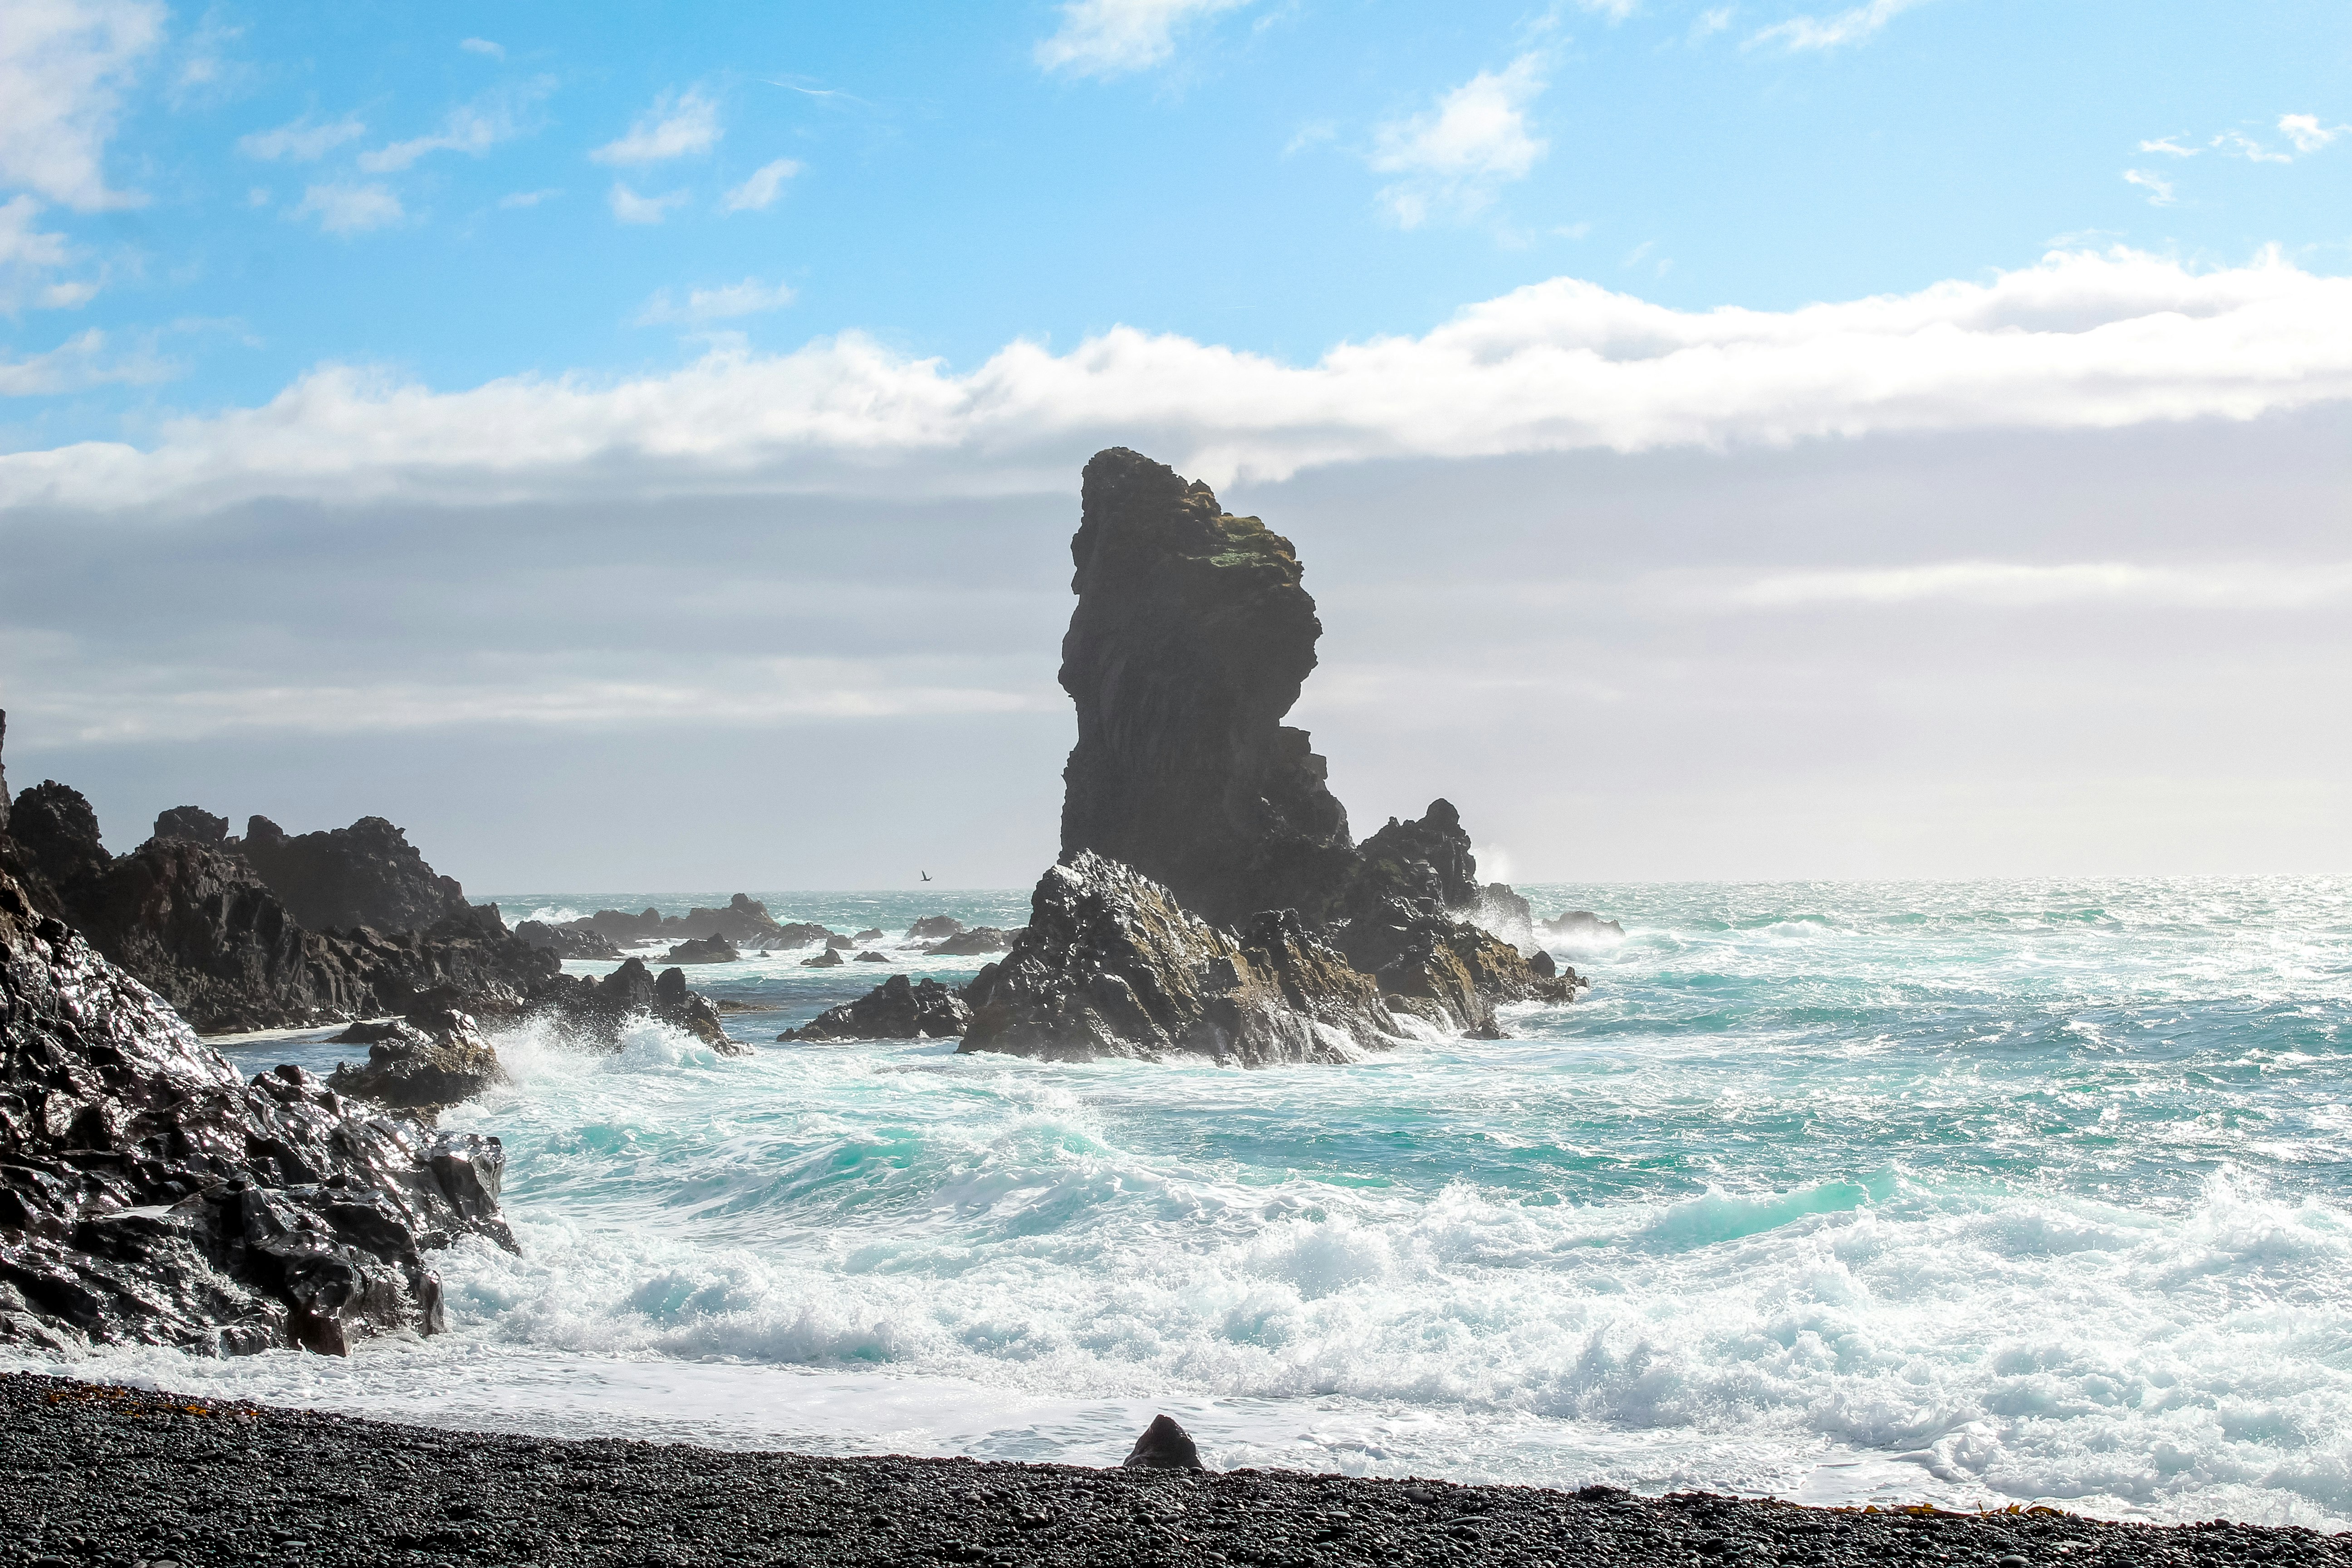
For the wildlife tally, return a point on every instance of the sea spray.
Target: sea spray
(1972, 1193)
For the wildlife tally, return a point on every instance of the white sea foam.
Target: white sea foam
(1976, 1196)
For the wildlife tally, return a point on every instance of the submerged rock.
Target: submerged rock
(434, 1058)
(149, 1194)
(1111, 964)
(893, 1010)
(703, 949)
(973, 940)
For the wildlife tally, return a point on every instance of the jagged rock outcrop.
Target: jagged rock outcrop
(434, 1058)
(931, 928)
(1448, 972)
(973, 939)
(1190, 642)
(600, 1010)
(568, 941)
(192, 822)
(1112, 964)
(703, 949)
(1427, 858)
(829, 959)
(148, 1194)
(1508, 916)
(893, 1010)
(364, 874)
(745, 922)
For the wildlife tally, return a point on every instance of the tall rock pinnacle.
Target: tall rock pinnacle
(1190, 643)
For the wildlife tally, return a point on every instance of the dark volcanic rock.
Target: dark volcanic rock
(1508, 916)
(1164, 1446)
(871, 933)
(434, 1058)
(744, 920)
(973, 940)
(568, 941)
(364, 874)
(702, 950)
(1446, 971)
(830, 958)
(893, 1010)
(1189, 644)
(619, 925)
(599, 1010)
(1111, 964)
(872, 958)
(1581, 925)
(192, 822)
(1428, 859)
(931, 928)
(149, 1194)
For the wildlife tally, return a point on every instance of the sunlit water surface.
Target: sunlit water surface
(1972, 1194)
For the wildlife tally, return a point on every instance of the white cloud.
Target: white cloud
(1710, 21)
(1999, 584)
(350, 208)
(28, 255)
(748, 298)
(1453, 157)
(2166, 145)
(2159, 188)
(529, 198)
(2305, 132)
(631, 208)
(2078, 342)
(483, 47)
(759, 191)
(301, 141)
(472, 127)
(2246, 147)
(77, 362)
(678, 124)
(63, 67)
(1111, 37)
(1846, 27)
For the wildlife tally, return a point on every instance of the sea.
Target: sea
(1966, 1194)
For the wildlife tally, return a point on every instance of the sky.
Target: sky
(636, 448)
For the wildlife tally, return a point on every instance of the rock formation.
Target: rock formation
(702, 950)
(893, 1010)
(973, 940)
(600, 1010)
(871, 958)
(1112, 964)
(829, 959)
(148, 1194)
(569, 942)
(364, 874)
(931, 928)
(193, 823)
(1190, 642)
(1581, 925)
(745, 922)
(434, 1058)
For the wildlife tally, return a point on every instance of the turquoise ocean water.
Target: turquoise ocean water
(1967, 1193)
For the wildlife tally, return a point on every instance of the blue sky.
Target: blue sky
(1763, 438)
(431, 187)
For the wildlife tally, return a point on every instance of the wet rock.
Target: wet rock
(893, 1010)
(434, 1058)
(364, 874)
(1427, 858)
(1190, 642)
(872, 958)
(1111, 964)
(1506, 915)
(1164, 1446)
(872, 933)
(1581, 925)
(192, 822)
(148, 1194)
(931, 928)
(599, 1011)
(973, 940)
(834, 939)
(829, 959)
(703, 949)
(620, 925)
(568, 941)
(1448, 972)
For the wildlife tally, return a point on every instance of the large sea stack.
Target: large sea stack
(1190, 642)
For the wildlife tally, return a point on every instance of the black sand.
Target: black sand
(91, 1474)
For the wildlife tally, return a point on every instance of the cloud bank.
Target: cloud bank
(2078, 342)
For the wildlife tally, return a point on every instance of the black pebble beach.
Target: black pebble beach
(95, 1474)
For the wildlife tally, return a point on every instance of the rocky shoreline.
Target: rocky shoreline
(96, 1474)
